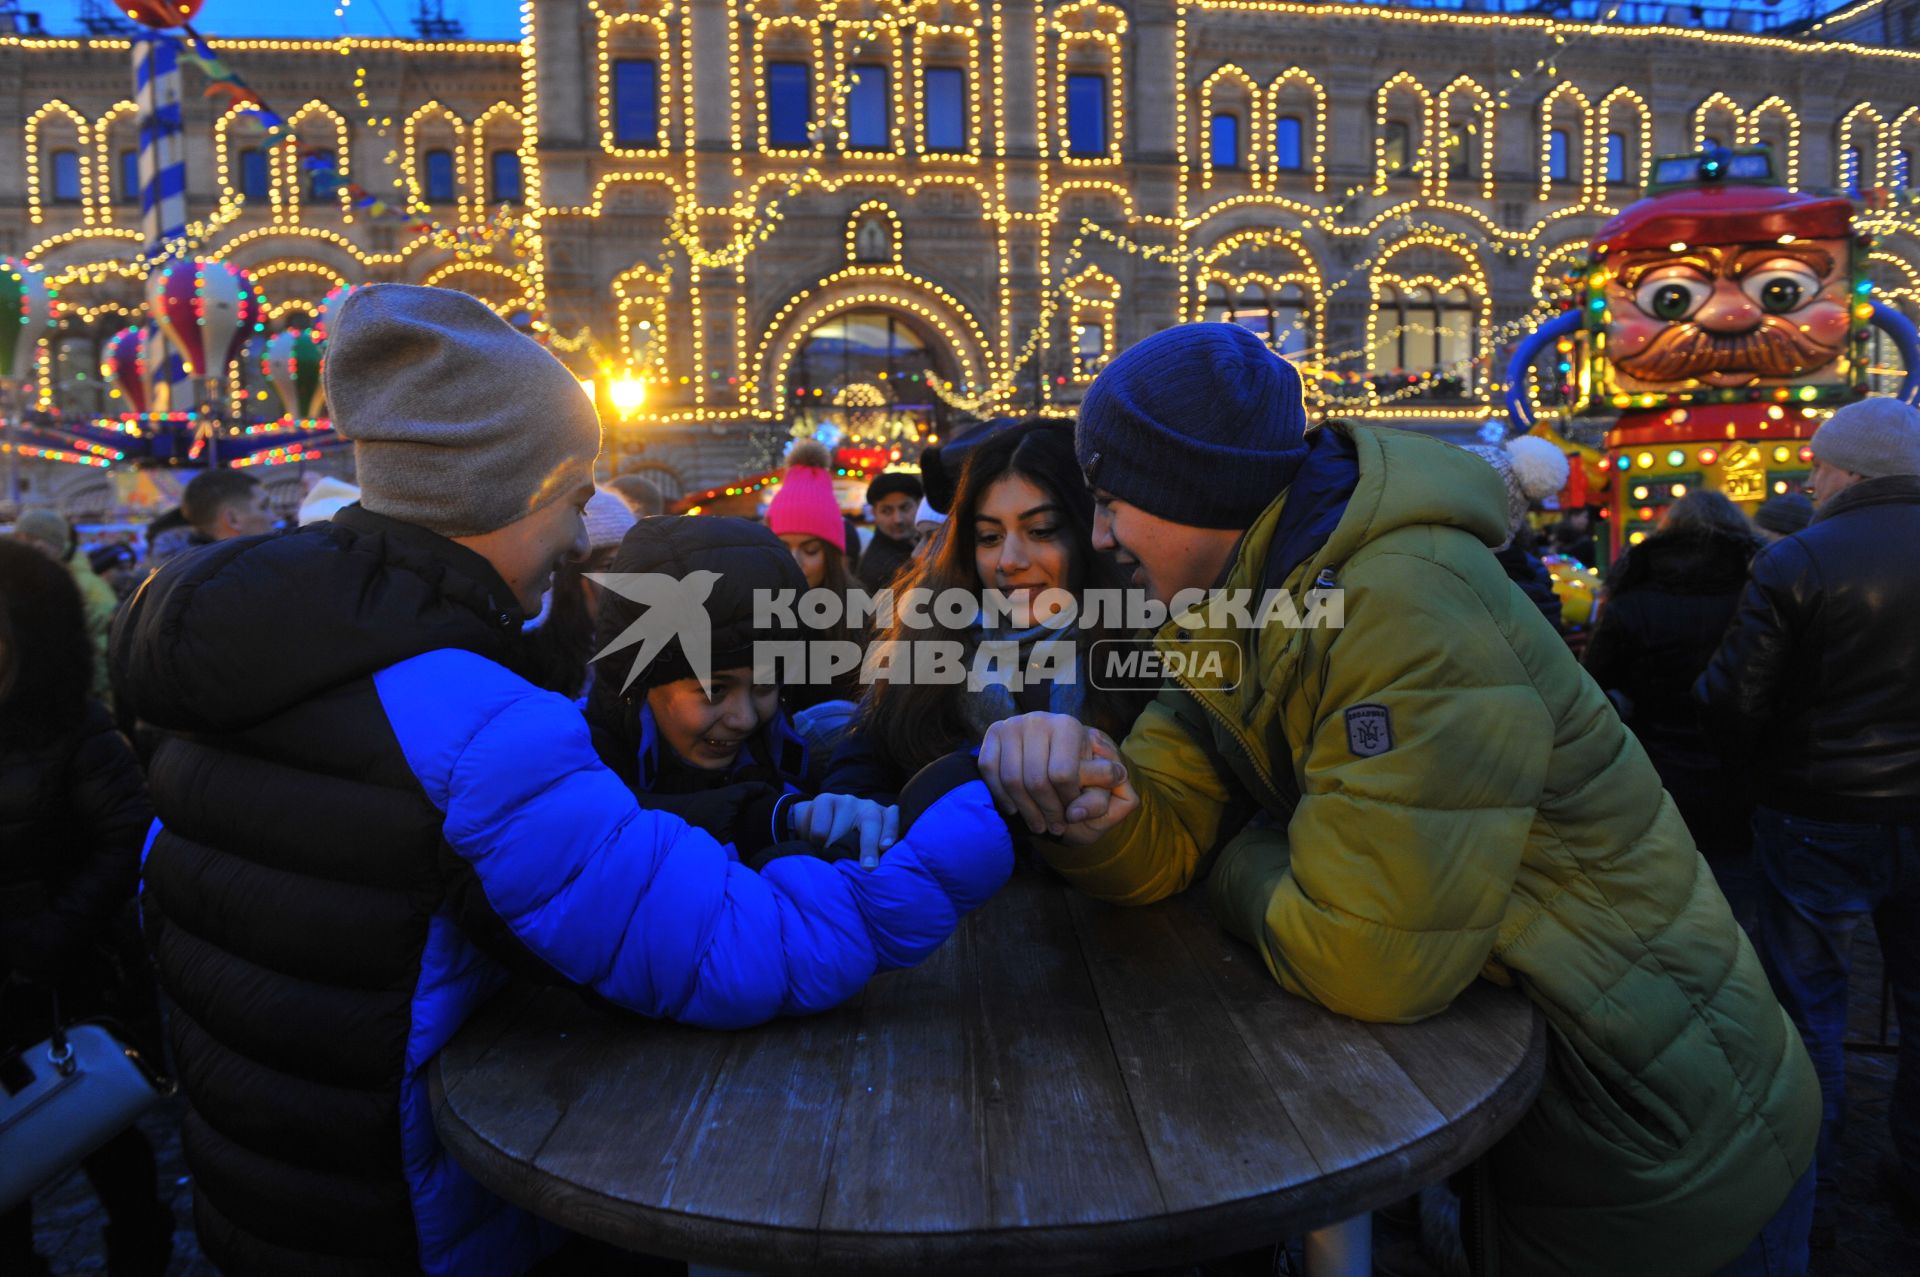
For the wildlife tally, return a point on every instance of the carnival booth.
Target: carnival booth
(1724, 317)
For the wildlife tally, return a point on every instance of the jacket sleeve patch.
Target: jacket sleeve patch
(1369, 730)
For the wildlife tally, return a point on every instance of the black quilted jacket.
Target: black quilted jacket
(1817, 669)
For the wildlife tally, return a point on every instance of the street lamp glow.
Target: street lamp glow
(587, 385)
(627, 393)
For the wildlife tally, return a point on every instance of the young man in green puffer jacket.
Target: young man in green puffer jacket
(1446, 797)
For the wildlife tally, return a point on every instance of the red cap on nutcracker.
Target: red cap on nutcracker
(1726, 215)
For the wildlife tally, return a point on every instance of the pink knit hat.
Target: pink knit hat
(805, 504)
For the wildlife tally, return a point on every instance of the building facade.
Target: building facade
(876, 219)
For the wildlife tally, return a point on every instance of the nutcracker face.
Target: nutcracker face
(1729, 316)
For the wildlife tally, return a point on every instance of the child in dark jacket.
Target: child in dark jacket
(723, 755)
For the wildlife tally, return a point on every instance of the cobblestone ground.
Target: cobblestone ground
(1873, 1241)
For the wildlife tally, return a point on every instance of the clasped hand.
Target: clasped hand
(1063, 778)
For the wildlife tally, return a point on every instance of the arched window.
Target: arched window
(862, 376)
(1617, 159)
(504, 175)
(1849, 171)
(65, 168)
(1462, 157)
(1397, 148)
(128, 190)
(440, 179)
(254, 181)
(1225, 140)
(1559, 156)
(1289, 151)
(323, 175)
(1902, 170)
(636, 102)
(1086, 114)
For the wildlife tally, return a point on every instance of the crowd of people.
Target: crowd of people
(363, 772)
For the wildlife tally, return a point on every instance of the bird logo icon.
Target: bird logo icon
(672, 608)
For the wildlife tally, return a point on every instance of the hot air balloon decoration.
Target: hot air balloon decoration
(160, 15)
(293, 363)
(28, 310)
(125, 367)
(330, 306)
(207, 309)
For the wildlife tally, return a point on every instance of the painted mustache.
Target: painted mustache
(1683, 351)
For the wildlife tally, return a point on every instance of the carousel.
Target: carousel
(1723, 318)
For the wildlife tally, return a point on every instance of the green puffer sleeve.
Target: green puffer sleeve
(1402, 859)
(1158, 850)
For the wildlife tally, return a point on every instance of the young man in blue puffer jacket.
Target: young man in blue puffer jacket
(368, 817)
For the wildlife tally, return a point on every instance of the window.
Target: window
(1397, 148)
(1460, 159)
(440, 177)
(1226, 140)
(505, 175)
(789, 104)
(1902, 170)
(1849, 171)
(1089, 349)
(946, 90)
(129, 192)
(1086, 115)
(66, 176)
(253, 174)
(1288, 155)
(867, 114)
(323, 175)
(1617, 158)
(636, 102)
(1558, 165)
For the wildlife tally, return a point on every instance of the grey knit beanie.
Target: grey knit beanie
(460, 425)
(1871, 437)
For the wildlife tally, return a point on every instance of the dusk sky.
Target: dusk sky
(483, 19)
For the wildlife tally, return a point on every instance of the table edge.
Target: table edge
(778, 1250)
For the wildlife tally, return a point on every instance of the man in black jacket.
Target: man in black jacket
(893, 498)
(1817, 670)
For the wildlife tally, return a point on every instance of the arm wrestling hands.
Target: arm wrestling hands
(1063, 778)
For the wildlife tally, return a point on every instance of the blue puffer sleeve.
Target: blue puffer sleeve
(645, 910)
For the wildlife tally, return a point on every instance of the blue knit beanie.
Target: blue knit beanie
(1200, 424)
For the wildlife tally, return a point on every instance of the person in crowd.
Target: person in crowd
(927, 523)
(1022, 523)
(168, 535)
(324, 500)
(1531, 469)
(118, 565)
(894, 499)
(1816, 671)
(641, 496)
(1427, 792)
(348, 747)
(562, 635)
(223, 504)
(73, 813)
(805, 515)
(1782, 515)
(1668, 603)
(722, 755)
(49, 532)
(1574, 536)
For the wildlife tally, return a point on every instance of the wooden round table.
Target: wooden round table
(1063, 1087)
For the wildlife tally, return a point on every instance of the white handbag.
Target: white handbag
(63, 1098)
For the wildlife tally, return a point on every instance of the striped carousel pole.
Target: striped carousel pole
(163, 187)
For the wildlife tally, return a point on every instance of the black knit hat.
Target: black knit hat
(941, 467)
(892, 483)
(748, 558)
(1200, 424)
